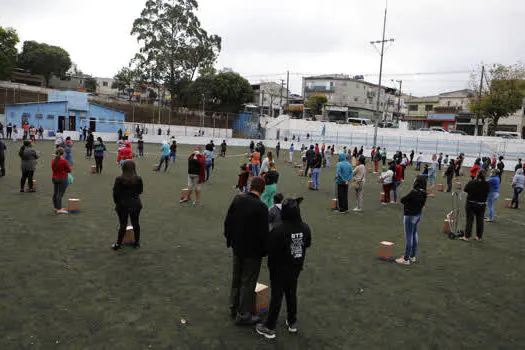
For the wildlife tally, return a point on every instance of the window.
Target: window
(448, 103)
(412, 108)
(50, 116)
(104, 83)
(38, 116)
(429, 108)
(356, 99)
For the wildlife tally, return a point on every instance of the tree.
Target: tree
(273, 91)
(315, 102)
(8, 52)
(502, 95)
(44, 59)
(124, 80)
(174, 46)
(91, 84)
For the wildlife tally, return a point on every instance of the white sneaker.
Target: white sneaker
(402, 261)
(292, 328)
(412, 260)
(357, 209)
(195, 202)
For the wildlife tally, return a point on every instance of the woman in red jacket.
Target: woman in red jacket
(60, 168)
(125, 153)
(474, 170)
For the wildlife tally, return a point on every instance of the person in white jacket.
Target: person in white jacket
(518, 182)
(266, 162)
(386, 179)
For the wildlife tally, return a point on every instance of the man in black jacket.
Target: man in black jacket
(246, 231)
(309, 158)
(287, 246)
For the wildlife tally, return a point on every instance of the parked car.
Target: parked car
(424, 129)
(438, 129)
(460, 132)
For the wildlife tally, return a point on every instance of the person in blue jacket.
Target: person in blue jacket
(343, 177)
(494, 182)
(165, 156)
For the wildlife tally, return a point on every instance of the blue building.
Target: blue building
(67, 111)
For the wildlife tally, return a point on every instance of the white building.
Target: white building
(104, 87)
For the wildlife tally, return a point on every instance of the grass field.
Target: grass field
(62, 287)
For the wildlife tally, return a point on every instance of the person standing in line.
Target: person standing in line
(89, 145)
(126, 135)
(15, 133)
(68, 148)
(126, 195)
(278, 149)
(493, 161)
(271, 177)
(124, 153)
(383, 156)
(432, 175)
(60, 168)
(328, 156)
(475, 168)
(494, 183)
(343, 177)
(173, 151)
(255, 162)
(242, 181)
(40, 133)
(223, 148)
(500, 166)
(317, 162)
(440, 160)
(413, 204)
(140, 146)
(59, 139)
(519, 165)
(252, 146)
(445, 161)
(309, 158)
(518, 182)
(275, 212)
(164, 156)
(412, 158)
(80, 133)
(28, 159)
(266, 163)
(2, 130)
(119, 133)
(287, 245)
(194, 172)
(32, 133)
(208, 150)
(386, 180)
(449, 173)
(213, 152)
(358, 181)
(25, 127)
(290, 155)
(377, 159)
(419, 160)
(3, 147)
(9, 131)
(84, 133)
(477, 193)
(398, 179)
(246, 232)
(99, 148)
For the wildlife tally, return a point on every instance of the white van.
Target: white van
(359, 121)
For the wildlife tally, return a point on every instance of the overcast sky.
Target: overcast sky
(264, 39)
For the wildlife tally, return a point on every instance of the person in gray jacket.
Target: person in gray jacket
(28, 158)
(274, 213)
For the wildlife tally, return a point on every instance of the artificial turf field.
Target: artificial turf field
(62, 287)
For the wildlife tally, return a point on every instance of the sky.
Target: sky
(437, 43)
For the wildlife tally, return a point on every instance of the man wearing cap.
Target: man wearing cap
(194, 171)
(246, 231)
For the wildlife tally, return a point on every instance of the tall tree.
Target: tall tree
(174, 46)
(315, 102)
(8, 52)
(91, 84)
(502, 95)
(125, 80)
(271, 92)
(44, 59)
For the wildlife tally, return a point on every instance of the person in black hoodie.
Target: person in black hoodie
(413, 203)
(477, 194)
(126, 195)
(90, 141)
(449, 173)
(309, 158)
(287, 244)
(246, 231)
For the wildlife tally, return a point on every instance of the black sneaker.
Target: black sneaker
(292, 327)
(22, 191)
(136, 245)
(115, 246)
(232, 311)
(265, 331)
(249, 320)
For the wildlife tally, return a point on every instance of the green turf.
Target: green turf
(61, 286)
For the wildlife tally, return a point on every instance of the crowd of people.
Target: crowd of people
(260, 220)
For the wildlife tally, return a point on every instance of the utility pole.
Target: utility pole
(287, 92)
(399, 99)
(476, 131)
(282, 87)
(382, 42)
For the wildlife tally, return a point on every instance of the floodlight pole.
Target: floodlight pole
(382, 42)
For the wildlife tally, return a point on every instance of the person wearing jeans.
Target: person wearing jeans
(494, 183)
(208, 153)
(256, 162)
(317, 162)
(343, 177)
(61, 169)
(28, 158)
(99, 149)
(477, 194)
(165, 156)
(413, 204)
(518, 182)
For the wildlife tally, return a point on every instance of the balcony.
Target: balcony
(320, 88)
